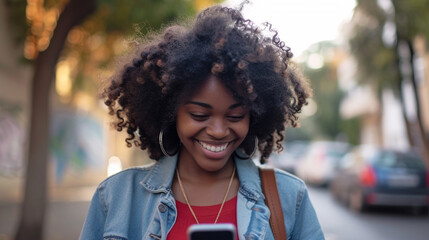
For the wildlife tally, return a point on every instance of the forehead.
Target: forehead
(212, 89)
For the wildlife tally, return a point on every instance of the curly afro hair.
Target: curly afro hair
(256, 68)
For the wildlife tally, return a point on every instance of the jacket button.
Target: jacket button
(162, 208)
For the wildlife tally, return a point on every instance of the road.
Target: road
(65, 219)
(340, 223)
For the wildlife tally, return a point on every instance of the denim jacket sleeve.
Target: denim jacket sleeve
(306, 223)
(300, 217)
(93, 227)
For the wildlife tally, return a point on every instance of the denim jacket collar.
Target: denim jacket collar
(250, 183)
(250, 205)
(160, 178)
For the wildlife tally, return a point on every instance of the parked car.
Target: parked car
(290, 156)
(320, 162)
(370, 176)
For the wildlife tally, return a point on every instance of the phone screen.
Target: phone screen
(212, 232)
(217, 235)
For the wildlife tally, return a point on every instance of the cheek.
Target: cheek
(181, 125)
(187, 130)
(243, 129)
(186, 127)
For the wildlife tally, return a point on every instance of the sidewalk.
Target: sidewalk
(66, 212)
(64, 220)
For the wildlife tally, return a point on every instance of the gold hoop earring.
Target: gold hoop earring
(163, 149)
(240, 153)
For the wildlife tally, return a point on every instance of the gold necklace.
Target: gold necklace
(189, 205)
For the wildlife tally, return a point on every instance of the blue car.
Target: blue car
(369, 176)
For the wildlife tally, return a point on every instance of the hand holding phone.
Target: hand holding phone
(222, 231)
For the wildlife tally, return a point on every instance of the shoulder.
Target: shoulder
(291, 188)
(125, 179)
(122, 187)
(285, 179)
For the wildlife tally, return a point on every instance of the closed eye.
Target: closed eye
(199, 117)
(236, 118)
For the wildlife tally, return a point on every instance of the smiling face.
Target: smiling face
(211, 125)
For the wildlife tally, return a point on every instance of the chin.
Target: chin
(213, 165)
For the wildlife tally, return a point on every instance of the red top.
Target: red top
(205, 214)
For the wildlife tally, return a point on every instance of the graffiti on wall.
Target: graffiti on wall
(77, 142)
(12, 139)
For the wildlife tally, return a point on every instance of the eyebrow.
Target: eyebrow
(205, 105)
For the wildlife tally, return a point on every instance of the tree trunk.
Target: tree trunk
(421, 130)
(415, 128)
(35, 193)
(404, 115)
(408, 127)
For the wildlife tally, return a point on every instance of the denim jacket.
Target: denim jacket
(138, 203)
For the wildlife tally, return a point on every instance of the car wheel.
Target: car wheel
(356, 201)
(420, 211)
(425, 211)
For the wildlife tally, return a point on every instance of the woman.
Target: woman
(201, 101)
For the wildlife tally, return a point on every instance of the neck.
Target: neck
(205, 188)
(198, 175)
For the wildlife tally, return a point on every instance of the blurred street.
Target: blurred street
(65, 219)
(340, 223)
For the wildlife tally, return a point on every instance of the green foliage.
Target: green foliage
(327, 122)
(306, 132)
(371, 8)
(351, 128)
(412, 17)
(117, 23)
(377, 63)
(121, 16)
(16, 16)
(48, 4)
(114, 21)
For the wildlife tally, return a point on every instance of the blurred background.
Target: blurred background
(362, 146)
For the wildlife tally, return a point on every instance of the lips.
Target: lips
(214, 148)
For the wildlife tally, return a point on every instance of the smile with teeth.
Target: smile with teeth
(213, 148)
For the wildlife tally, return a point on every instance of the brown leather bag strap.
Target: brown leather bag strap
(272, 199)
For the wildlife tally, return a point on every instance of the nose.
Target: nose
(218, 129)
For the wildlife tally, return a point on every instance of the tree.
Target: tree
(381, 60)
(34, 204)
(320, 65)
(411, 19)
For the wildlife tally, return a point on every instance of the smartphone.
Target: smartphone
(221, 231)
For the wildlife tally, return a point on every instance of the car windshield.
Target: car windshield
(399, 160)
(337, 151)
(337, 154)
(296, 150)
